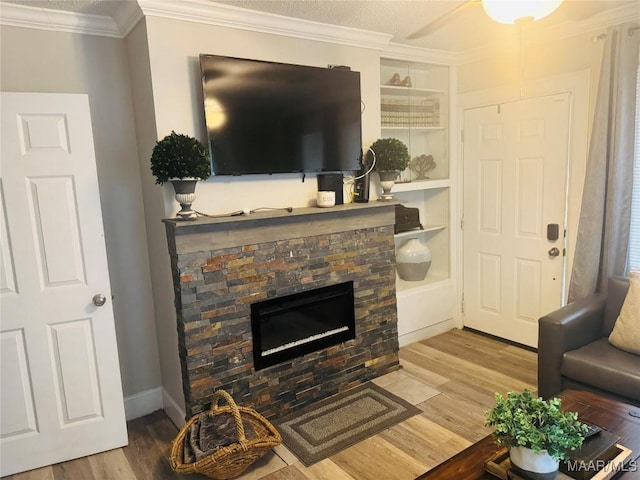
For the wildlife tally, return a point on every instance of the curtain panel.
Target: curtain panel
(603, 232)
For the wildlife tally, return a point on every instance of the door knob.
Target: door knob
(554, 252)
(99, 300)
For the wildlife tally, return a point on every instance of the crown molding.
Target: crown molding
(410, 53)
(127, 16)
(211, 13)
(592, 25)
(57, 20)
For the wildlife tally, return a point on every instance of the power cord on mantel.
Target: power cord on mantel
(244, 211)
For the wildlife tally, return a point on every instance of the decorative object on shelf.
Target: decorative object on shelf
(391, 158)
(406, 82)
(413, 260)
(537, 432)
(421, 165)
(395, 80)
(326, 199)
(405, 112)
(182, 160)
(387, 181)
(407, 219)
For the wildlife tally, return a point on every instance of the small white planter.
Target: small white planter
(185, 194)
(529, 461)
(387, 181)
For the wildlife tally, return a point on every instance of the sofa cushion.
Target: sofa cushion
(604, 366)
(626, 331)
(617, 288)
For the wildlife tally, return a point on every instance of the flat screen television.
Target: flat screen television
(267, 117)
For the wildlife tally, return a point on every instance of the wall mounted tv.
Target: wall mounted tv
(267, 117)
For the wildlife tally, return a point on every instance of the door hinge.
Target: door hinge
(462, 306)
(564, 252)
(462, 223)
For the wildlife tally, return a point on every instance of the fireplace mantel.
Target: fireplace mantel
(222, 265)
(276, 225)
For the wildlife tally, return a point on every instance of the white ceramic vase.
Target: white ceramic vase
(413, 260)
(527, 461)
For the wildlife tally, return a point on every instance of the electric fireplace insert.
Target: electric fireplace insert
(287, 327)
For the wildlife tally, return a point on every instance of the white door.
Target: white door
(59, 378)
(515, 163)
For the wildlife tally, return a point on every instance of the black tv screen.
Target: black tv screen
(266, 117)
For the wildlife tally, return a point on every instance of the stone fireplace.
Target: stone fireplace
(225, 268)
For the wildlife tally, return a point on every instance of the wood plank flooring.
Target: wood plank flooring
(452, 378)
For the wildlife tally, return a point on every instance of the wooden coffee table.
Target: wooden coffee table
(610, 414)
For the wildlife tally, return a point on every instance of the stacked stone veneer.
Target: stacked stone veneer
(221, 267)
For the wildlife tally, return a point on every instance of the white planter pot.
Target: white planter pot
(185, 194)
(387, 180)
(527, 460)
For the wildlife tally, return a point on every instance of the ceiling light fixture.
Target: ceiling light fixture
(509, 11)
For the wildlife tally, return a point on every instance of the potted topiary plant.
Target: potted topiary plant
(536, 431)
(182, 160)
(391, 157)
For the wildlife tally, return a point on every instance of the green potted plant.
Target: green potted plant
(536, 431)
(391, 157)
(182, 160)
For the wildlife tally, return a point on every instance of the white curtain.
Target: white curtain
(603, 233)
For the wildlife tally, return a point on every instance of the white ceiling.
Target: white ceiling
(465, 31)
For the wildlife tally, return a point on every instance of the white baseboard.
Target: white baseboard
(426, 332)
(173, 410)
(143, 403)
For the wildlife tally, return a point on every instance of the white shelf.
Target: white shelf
(404, 91)
(415, 129)
(426, 229)
(421, 185)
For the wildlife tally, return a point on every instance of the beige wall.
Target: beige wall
(508, 65)
(163, 295)
(57, 62)
(179, 106)
(174, 47)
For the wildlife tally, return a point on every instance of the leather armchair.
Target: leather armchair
(574, 351)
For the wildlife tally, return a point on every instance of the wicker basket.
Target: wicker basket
(232, 460)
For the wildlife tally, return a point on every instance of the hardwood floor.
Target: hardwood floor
(452, 377)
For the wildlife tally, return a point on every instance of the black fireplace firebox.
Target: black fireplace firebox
(291, 326)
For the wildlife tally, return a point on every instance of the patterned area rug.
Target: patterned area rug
(325, 428)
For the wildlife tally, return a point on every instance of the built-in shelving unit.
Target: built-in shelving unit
(418, 114)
